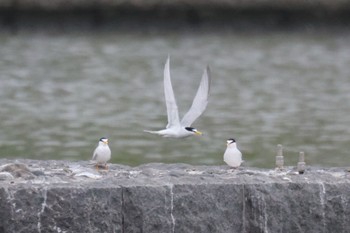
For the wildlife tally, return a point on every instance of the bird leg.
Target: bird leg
(102, 166)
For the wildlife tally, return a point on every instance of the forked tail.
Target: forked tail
(152, 132)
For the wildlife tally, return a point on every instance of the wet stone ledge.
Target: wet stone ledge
(63, 196)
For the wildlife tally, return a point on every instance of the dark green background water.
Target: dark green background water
(60, 93)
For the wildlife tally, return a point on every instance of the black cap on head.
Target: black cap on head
(231, 140)
(102, 139)
(191, 129)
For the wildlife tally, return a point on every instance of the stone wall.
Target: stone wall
(62, 196)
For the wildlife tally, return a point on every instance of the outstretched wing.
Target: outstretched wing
(171, 106)
(200, 101)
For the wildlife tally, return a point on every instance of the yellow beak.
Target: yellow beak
(198, 132)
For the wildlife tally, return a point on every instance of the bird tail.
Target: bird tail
(152, 132)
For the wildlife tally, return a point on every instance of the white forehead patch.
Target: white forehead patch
(104, 140)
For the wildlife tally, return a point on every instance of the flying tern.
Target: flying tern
(181, 129)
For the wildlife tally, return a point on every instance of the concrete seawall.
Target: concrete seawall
(62, 196)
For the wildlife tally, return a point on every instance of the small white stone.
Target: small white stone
(6, 176)
(89, 175)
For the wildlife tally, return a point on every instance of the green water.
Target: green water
(59, 93)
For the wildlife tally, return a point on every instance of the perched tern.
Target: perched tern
(232, 156)
(102, 153)
(176, 128)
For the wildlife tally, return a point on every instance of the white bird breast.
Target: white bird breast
(233, 157)
(103, 154)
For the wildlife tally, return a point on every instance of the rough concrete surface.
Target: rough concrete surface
(63, 196)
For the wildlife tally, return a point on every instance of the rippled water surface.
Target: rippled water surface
(59, 93)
